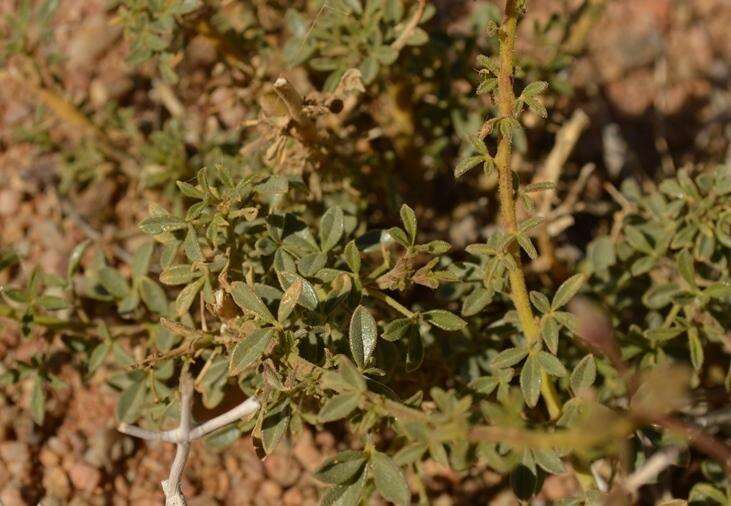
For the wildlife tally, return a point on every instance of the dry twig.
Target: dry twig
(185, 433)
(649, 471)
(566, 139)
(292, 99)
(402, 39)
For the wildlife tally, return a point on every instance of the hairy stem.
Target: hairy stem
(506, 106)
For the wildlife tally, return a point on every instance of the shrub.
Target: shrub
(295, 270)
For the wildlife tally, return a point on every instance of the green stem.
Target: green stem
(506, 106)
(377, 294)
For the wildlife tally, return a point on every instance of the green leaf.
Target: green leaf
(540, 302)
(535, 88)
(345, 379)
(509, 128)
(189, 190)
(485, 385)
(309, 265)
(141, 259)
(551, 364)
(444, 320)
(341, 468)
(435, 247)
(399, 236)
(289, 300)
(703, 492)
(600, 253)
(308, 296)
(409, 454)
(661, 334)
(177, 275)
(187, 296)
(331, 228)
(275, 185)
(527, 245)
(350, 374)
(549, 461)
(637, 240)
(508, 358)
(478, 144)
(393, 10)
(397, 329)
(718, 291)
(584, 374)
(52, 303)
(685, 267)
(696, 349)
(113, 282)
(566, 319)
(274, 426)
(466, 164)
(368, 69)
(526, 226)
(155, 225)
(536, 106)
(476, 301)
(385, 54)
(98, 355)
(19, 296)
(129, 303)
(352, 257)
(347, 494)
(130, 402)
(487, 62)
(223, 438)
(486, 86)
(191, 247)
(169, 250)
(414, 349)
(153, 296)
(362, 335)
(530, 380)
(74, 260)
(249, 350)
(418, 37)
(56, 382)
(408, 218)
(566, 291)
(353, 5)
(339, 407)
(642, 265)
(246, 299)
(389, 479)
(659, 296)
(38, 400)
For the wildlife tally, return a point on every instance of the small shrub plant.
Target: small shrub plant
(285, 270)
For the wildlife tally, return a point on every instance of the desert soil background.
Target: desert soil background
(654, 81)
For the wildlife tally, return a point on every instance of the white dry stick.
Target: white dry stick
(649, 471)
(184, 434)
(566, 139)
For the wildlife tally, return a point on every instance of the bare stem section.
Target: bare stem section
(184, 434)
(408, 30)
(506, 108)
